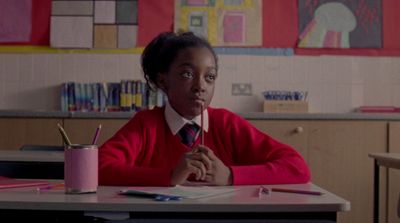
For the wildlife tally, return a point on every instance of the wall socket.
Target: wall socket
(242, 89)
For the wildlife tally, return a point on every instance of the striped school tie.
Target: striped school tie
(188, 134)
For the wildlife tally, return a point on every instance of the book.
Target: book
(190, 192)
(6, 182)
(378, 109)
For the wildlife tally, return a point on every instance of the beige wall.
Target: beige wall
(335, 83)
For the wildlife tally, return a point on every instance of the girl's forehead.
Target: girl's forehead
(195, 53)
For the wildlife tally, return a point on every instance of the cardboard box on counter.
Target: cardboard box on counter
(288, 106)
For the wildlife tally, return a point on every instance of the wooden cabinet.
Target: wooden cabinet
(293, 133)
(81, 131)
(337, 153)
(15, 132)
(338, 157)
(394, 174)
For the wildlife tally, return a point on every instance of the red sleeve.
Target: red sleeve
(262, 159)
(117, 158)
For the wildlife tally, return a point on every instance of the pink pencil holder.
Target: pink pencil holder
(81, 169)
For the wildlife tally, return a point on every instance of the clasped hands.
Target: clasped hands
(204, 165)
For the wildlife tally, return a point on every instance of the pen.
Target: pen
(154, 196)
(285, 190)
(202, 124)
(96, 135)
(64, 135)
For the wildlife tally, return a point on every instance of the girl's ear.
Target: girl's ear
(162, 82)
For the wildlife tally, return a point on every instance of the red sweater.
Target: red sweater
(144, 152)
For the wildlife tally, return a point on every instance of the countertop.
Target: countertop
(247, 115)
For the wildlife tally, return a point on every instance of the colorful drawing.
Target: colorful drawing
(198, 23)
(233, 2)
(340, 24)
(15, 21)
(234, 27)
(198, 2)
(223, 23)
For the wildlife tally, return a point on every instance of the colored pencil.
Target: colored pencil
(64, 135)
(202, 124)
(96, 135)
(285, 190)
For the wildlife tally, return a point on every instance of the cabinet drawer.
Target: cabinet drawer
(293, 133)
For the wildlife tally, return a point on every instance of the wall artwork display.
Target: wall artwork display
(223, 23)
(340, 24)
(93, 24)
(17, 29)
(260, 27)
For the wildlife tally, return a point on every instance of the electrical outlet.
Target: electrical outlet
(241, 89)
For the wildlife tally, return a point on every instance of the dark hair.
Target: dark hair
(161, 52)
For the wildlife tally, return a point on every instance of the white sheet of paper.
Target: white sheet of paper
(191, 192)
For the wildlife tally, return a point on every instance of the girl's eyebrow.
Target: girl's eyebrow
(186, 65)
(193, 66)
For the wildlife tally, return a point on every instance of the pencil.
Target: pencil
(96, 135)
(285, 190)
(49, 187)
(64, 135)
(202, 124)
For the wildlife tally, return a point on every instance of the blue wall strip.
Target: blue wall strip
(255, 51)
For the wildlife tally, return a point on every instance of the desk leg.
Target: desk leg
(376, 192)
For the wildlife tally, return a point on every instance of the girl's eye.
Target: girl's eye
(187, 75)
(211, 77)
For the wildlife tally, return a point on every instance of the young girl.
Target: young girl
(152, 149)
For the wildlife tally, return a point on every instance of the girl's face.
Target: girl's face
(190, 81)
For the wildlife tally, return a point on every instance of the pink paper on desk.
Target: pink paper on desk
(6, 182)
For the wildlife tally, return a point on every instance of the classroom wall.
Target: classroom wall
(335, 84)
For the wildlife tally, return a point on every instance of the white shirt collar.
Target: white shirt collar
(176, 121)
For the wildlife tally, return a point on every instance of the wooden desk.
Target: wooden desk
(241, 204)
(32, 164)
(31, 156)
(245, 203)
(389, 160)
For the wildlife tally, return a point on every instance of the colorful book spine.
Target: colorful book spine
(139, 95)
(133, 95)
(64, 97)
(96, 97)
(103, 96)
(71, 96)
(123, 99)
(127, 95)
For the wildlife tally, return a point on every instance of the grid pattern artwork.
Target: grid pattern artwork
(95, 24)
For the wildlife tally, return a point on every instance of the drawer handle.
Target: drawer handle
(298, 130)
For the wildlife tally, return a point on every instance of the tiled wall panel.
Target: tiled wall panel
(335, 84)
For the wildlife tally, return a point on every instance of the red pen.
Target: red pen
(285, 190)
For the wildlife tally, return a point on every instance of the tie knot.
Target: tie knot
(188, 133)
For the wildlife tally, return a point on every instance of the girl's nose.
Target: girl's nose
(199, 83)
